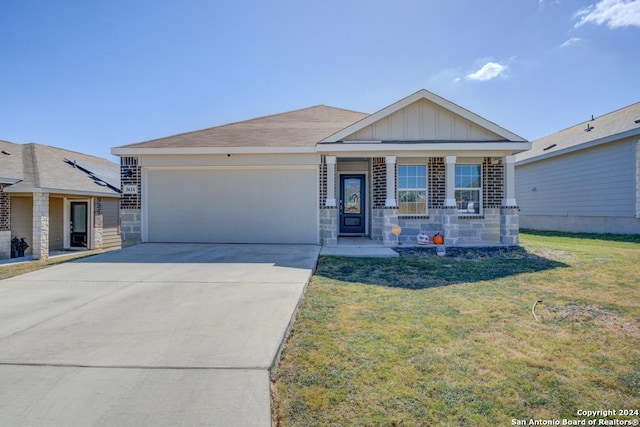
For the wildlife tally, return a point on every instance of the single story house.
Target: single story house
(312, 175)
(585, 178)
(57, 199)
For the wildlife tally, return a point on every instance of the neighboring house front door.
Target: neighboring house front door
(79, 224)
(352, 204)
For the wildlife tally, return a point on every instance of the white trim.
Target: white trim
(132, 151)
(429, 96)
(426, 189)
(422, 147)
(330, 201)
(509, 184)
(478, 189)
(391, 202)
(450, 181)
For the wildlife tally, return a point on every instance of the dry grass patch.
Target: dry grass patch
(423, 340)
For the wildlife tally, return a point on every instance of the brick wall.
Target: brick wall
(492, 182)
(322, 177)
(130, 175)
(379, 172)
(5, 210)
(437, 185)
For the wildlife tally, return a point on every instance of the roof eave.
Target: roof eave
(9, 181)
(14, 189)
(124, 151)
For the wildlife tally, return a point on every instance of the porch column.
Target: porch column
(40, 244)
(331, 181)
(509, 221)
(509, 181)
(450, 182)
(391, 201)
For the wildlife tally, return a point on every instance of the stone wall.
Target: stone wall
(5, 244)
(40, 226)
(509, 226)
(329, 226)
(382, 222)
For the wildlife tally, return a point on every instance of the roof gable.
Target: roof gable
(423, 116)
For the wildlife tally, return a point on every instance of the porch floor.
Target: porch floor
(359, 247)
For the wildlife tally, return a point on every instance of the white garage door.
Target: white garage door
(264, 205)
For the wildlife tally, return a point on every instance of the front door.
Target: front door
(79, 224)
(352, 206)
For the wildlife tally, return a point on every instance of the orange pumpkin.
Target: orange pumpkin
(437, 239)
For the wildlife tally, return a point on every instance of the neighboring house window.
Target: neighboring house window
(468, 189)
(412, 189)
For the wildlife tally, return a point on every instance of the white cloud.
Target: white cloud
(614, 13)
(489, 71)
(571, 42)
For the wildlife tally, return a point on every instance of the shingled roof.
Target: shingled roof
(299, 128)
(609, 127)
(36, 167)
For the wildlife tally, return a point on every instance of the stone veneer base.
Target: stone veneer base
(130, 226)
(5, 244)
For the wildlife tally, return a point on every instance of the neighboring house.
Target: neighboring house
(585, 178)
(312, 175)
(57, 199)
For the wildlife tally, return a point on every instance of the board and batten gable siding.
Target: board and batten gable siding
(424, 121)
(597, 182)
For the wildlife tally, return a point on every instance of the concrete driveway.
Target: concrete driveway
(155, 334)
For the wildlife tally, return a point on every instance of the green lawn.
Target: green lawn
(453, 341)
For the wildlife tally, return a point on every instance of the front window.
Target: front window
(468, 189)
(412, 190)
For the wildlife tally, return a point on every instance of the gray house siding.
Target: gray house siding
(588, 190)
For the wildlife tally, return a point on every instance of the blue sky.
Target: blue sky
(88, 76)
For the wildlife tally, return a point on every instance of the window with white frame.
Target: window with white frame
(412, 189)
(469, 189)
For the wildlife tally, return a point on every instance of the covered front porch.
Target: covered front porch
(467, 199)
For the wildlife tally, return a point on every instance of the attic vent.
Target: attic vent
(549, 147)
(6, 153)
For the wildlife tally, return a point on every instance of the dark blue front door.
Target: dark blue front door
(352, 204)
